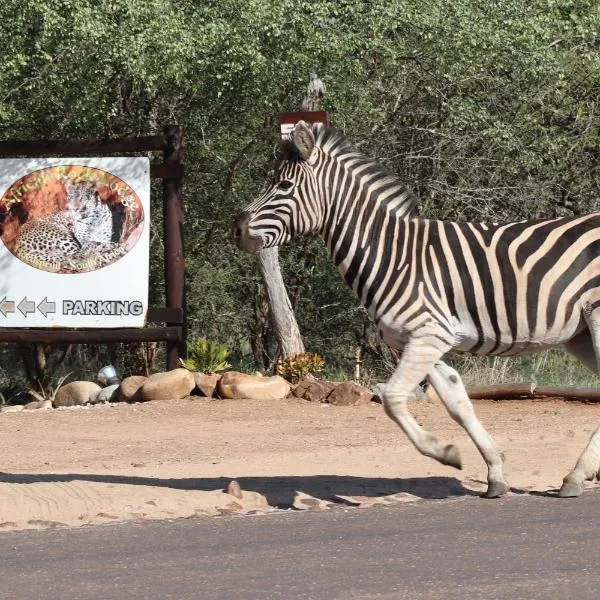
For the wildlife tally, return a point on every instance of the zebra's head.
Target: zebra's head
(291, 204)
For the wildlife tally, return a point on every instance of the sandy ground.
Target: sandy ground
(174, 459)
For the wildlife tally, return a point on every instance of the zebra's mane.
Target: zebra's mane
(335, 143)
(397, 198)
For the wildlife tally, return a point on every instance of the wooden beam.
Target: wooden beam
(171, 334)
(166, 171)
(173, 316)
(9, 148)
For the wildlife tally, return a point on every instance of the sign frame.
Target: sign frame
(171, 172)
(287, 120)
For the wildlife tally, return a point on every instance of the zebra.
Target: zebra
(434, 287)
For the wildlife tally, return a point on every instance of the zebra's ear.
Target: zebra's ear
(303, 139)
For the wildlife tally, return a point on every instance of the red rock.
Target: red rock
(129, 388)
(240, 385)
(349, 394)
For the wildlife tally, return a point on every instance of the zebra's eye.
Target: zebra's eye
(285, 185)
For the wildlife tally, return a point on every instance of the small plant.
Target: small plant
(48, 392)
(296, 367)
(207, 356)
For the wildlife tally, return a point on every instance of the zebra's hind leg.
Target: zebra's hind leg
(586, 347)
(452, 392)
(418, 357)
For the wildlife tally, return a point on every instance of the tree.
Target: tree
(488, 110)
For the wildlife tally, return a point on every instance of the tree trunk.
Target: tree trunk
(287, 333)
(282, 315)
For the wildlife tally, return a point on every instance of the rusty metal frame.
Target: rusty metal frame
(171, 171)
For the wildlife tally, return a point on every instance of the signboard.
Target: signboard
(288, 120)
(74, 242)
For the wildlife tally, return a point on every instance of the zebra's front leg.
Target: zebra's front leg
(418, 357)
(451, 390)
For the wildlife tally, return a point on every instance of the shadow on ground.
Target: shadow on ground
(279, 491)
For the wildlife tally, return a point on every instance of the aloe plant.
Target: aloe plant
(208, 356)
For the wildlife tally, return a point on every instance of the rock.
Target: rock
(303, 501)
(349, 394)
(108, 394)
(12, 408)
(207, 383)
(300, 389)
(76, 393)
(129, 388)
(169, 385)
(319, 391)
(234, 489)
(240, 385)
(38, 405)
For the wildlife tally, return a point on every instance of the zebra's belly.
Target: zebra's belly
(487, 343)
(466, 337)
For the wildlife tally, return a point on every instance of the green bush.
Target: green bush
(296, 367)
(206, 355)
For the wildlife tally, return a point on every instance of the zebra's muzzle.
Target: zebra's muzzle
(241, 236)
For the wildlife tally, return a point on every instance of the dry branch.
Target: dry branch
(507, 391)
(516, 391)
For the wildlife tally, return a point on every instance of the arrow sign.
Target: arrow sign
(6, 306)
(46, 307)
(26, 306)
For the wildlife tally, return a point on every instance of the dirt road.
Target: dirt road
(174, 459)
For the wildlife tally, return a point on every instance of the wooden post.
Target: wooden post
(173, 234)
(286, 328)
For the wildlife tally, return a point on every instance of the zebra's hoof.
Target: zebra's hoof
(451, 457)
(570, 489)
(496, 489)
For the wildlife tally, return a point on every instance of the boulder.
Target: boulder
(12, 408)
(240, 385)
(76, 393)
(170, 385)
(206, 383)
(38, 405)
(129, 388)
(349, 394)
(314, 391)
(300, 388)
(108, 394)
(233, 489)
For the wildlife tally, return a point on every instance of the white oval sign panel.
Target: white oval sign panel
(74, 238)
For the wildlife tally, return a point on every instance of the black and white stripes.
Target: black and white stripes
(432, 287)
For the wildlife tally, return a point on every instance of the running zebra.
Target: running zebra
(433, 287)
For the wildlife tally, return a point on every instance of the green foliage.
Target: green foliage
(294, 368)
(48, 391)
(208, 356)
(551, 367)
(489, 110)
